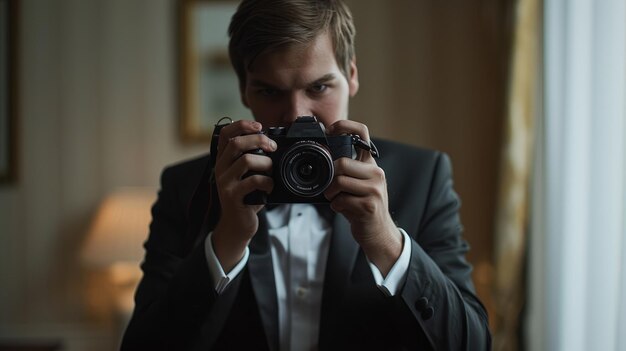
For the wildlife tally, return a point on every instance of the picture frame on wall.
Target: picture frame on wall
(8, 90)
(208, 85)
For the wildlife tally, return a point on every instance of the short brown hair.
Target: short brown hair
(260, 26)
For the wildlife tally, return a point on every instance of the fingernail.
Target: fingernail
(256, 125)
(273, 144)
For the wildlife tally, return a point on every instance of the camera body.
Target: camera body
(302, 163)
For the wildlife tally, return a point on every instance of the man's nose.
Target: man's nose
(297, 104)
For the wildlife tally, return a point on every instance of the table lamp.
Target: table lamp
(115, 241)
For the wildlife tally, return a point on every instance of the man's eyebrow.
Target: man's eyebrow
(324, 79)
(260, 83)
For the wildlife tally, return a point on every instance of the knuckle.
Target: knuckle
(261, 182)
(261, 141)
(370, 207)
(365, 129)
(379, 173)
(256, 180)
(247, 158)
(342, 181)
(234, 141)
(246, 183)
(342, 162)
(226, 192)
(267, 141)
(377, 192)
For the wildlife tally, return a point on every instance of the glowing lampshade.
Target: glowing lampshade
(119, 228)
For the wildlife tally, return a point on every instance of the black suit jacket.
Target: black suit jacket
(177, 307)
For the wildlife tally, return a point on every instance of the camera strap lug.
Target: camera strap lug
(364, 145)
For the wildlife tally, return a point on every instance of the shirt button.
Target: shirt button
(301, 292)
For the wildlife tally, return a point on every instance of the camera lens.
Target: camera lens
(307, 168)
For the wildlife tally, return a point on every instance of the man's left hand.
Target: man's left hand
(359, 192)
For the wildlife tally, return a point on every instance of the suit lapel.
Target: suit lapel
(262, 279)
(341, 257)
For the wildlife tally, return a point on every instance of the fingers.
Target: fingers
(233, 184)
(346, 126)
(355, 169)
(237, 146)
(230, 136)
(352, 127)
(235, 129)
(360, 177)
(234, 160)
(359, 206)
(238, 190)
(357, 179)
(248, 163)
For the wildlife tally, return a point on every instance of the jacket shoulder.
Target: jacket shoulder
(395, 153)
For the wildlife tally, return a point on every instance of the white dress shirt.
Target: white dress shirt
(300, 239)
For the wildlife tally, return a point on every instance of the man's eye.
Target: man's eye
(268, 92)
(318, 88)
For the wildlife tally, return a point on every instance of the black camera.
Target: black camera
(303, 161)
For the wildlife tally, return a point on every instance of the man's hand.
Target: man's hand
(359, 192)
(238, 222)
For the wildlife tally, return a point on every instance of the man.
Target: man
(381, 267)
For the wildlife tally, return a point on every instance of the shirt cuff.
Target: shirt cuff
(396, 276)
(220, 278)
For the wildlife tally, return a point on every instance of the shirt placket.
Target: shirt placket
(299, 289)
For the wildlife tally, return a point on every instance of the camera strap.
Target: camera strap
(214, 207)
(214, 143)
(204, 208)
(363, 145)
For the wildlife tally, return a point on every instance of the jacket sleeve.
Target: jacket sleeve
(438, 290)
(176, 293)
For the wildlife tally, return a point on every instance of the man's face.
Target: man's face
(302, 80)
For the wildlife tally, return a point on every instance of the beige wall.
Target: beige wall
(433, 74)
(98, 111)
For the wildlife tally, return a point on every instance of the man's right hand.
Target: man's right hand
(238, 222)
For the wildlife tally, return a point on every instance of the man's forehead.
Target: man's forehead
(316, 55)
(296, 53)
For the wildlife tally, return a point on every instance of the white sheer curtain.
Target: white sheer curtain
(577, 296)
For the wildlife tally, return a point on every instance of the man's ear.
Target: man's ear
(353, 80)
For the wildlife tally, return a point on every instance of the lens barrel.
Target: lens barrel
(307, 168)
